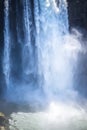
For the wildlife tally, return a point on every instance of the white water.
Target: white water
(56, 117)
(52, 27)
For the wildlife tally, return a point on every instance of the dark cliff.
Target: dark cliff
(78, 13)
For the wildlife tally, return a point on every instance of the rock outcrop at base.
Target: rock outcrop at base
(4, 122)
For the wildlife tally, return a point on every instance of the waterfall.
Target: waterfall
(51, 27)
(6, 58)
(43, 60)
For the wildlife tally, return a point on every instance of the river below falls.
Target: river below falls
(56, 117)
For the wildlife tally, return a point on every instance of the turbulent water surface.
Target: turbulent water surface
(56, 117)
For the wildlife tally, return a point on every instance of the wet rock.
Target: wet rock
(4, 122)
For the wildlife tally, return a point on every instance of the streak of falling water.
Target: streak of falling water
(6, 59)
(27, 49)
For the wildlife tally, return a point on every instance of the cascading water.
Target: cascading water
(51, 27)
(6, 58)
(43, 59)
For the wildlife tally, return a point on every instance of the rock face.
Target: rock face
(78, 18)
(77, 13)
(4, 122)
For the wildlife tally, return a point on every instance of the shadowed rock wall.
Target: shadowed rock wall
(78, 13)
(78, 18)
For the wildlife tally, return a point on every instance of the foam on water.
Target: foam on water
(57, 116)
